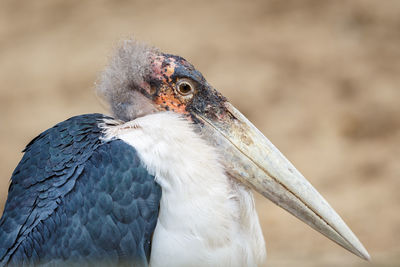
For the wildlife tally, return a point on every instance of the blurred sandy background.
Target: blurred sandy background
(320, 78)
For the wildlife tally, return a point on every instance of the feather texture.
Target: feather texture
(205, 218)
(75, 198)
(121, 82)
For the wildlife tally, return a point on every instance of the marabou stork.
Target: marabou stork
(165, 182)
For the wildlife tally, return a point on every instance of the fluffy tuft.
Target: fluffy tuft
(127, 69)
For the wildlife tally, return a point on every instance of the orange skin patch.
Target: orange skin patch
(167, 98)
(168, 101)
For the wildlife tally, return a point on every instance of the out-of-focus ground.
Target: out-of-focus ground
(320, 78)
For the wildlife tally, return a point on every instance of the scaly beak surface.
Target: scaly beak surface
(252, 159)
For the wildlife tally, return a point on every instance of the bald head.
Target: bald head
(140, 80)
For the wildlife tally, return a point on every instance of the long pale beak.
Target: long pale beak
(251, 158)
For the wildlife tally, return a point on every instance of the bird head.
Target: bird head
(141, 80)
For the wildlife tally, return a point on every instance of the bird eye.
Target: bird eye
(184, 87)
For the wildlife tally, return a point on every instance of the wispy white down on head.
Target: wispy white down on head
(127, 69)
(206, 218)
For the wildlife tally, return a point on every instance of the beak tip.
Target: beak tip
(365, 256)
(363, 253)
(358, 249)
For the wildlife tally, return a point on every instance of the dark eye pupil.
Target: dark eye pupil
(185, 88)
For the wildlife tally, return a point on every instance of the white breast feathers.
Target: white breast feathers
(206, 218)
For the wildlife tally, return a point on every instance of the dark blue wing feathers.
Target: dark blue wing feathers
(77, 199)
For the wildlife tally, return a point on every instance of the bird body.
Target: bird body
(166, 181)
(99, 218)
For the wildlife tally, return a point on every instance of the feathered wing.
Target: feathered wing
(74, 198)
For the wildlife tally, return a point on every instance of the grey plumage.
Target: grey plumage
(127, 70)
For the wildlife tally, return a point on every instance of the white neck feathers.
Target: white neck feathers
(205, 218)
